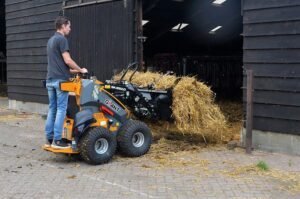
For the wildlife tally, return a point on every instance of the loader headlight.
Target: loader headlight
(103, 123)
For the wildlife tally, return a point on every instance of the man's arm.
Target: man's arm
(72, 64)
(72, 71)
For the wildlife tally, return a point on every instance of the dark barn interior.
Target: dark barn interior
(184, 36)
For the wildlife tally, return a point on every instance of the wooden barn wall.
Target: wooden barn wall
(101, 40)
(2, 28)
(272, 50)
(2, 45)
(29, 24)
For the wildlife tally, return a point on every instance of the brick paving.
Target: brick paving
(26, 171)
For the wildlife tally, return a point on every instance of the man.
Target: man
(60, 64)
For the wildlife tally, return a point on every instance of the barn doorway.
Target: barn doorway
(198, 38)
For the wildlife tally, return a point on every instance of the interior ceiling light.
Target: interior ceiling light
(179, 27)
(213, 31)
(218, 2)
(144, 22)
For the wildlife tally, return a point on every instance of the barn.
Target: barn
(216, 40)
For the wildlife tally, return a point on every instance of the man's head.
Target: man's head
(63, 25)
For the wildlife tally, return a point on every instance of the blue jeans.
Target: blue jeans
(58, 102)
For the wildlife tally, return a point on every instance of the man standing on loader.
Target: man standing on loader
(60, 64)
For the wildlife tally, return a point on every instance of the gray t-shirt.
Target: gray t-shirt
(57, 68)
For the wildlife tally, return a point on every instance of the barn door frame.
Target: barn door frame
(80, 3)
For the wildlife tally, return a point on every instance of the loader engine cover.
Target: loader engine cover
(92, 98)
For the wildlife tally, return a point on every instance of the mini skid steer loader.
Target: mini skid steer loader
(100, 125)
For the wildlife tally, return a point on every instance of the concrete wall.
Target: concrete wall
(274, 142)
(31, 107)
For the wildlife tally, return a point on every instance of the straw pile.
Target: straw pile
(176, 154)
(233, 112)
(148, 78)
(194, 110)
(288, 180)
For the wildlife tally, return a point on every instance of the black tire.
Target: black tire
(134, 138)
(97, 146)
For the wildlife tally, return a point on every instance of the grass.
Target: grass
(263, 166)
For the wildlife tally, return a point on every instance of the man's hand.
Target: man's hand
(83, 70)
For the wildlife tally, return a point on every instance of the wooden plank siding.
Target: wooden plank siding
(29, 25)
(272, 50)
(2, 29)
(101, 40)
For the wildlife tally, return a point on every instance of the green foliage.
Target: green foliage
(263, 166)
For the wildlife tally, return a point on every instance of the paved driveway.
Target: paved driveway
(172, 169)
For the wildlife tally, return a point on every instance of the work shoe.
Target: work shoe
(48, 142)
(60, 144)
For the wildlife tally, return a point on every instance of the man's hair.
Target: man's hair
(59, 21)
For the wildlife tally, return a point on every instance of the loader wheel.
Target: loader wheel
(134, 138)
(97, 146)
